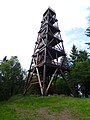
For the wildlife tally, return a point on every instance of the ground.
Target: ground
(45, 108)
(44, 114)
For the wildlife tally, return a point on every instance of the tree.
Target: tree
(73, 55)
(76, 57)
(81, 76)
(61, 87)
(88, 32)
(88, 35)
(11, 78)
(82, 55)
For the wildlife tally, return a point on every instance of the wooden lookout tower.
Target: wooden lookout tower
(48, 56)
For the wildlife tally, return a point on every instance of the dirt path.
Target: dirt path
(44, 115)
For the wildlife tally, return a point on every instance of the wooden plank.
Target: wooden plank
(28, 82)
(72, 89)
(51, 81)
(39, 76)
(39, 81)
(50, 55)
(35, 82)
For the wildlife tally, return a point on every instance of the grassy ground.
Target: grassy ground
(45, 108)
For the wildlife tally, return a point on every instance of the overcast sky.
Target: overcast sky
(20, 22)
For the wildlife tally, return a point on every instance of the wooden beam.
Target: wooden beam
(29, 77)
(50, 55)
(51, 81)
(35, 82)
(51, 41)
(39, 81)
(28, 82)
(39, 76)
(72, 89)
(43, 41)
(51, 31)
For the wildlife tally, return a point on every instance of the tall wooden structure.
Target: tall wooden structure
(48, 57)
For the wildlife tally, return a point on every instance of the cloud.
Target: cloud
(77, 37)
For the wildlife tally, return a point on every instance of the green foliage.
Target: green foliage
(81, 75)
(80, 70)
(73, 54)
(11, 78)
(77, 55)
(61, 87)
(34, 90)
(82, 55)
(88, 32)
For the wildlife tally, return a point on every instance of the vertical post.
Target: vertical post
(44, 77)
(38, 75)
(45, 56)
(44, 67)
(57, 58)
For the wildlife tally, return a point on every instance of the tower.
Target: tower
(48, 57)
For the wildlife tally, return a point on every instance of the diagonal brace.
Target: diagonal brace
(51, 81)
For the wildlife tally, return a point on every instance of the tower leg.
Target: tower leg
(44, 77)
(27, 86)
(39, 81)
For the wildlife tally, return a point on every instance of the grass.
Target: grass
(45, 108)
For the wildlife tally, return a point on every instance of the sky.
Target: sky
(20, 22)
